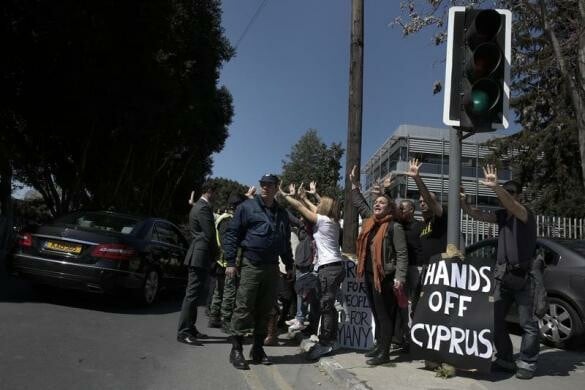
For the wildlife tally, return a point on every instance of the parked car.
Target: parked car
(103, 252)
(564, 280)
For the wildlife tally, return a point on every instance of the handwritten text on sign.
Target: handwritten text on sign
(356, 325)
(453, 321)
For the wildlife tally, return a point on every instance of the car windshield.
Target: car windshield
(100, 221)
(574, 245)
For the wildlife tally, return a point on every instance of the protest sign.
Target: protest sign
(356, 325)
(453, 320)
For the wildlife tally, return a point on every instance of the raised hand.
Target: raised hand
(388, 180)
(192, 198)
(354, 176)
(301, 191)
(490, 174)
(462, 195)
(292, 189)
(312, 188)
(376, 190)
(281, 191)
(251, 192)
(413, 168)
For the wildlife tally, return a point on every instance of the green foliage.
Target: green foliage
(225, 187)
(113, 104)
(311, 160)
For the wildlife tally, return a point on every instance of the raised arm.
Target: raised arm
(313, 190)
(294, 203)
(305, 199)
(512, 205)
(434, 204)
(474, 212)
(357, 199)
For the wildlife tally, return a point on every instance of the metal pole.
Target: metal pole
(354, 126)
(453, 230)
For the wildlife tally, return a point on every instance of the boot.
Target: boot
(257, 353)
(214, 322)
(383, 356)
(374, 351)
(236, 355)
(272, 329)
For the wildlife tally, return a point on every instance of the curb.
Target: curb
(342, 376)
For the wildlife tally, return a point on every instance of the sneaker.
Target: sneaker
(296, 327)
(292, 321)
(523, 373)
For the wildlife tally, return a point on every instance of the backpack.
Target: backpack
(304, 253)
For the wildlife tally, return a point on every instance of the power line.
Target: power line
(262, 4)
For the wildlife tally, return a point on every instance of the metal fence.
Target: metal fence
(548, 227)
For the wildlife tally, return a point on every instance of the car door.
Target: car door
(175, 250)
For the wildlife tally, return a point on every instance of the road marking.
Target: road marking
(252, 380)
(278, 379)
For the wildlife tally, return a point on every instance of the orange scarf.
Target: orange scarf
(368, 225)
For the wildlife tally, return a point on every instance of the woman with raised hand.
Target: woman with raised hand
(382, 256)
(330, 266)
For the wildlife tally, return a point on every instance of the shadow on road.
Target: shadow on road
(13, 289)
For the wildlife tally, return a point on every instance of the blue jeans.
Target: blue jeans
(530, 345)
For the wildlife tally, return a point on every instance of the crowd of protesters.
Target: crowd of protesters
(277, 262)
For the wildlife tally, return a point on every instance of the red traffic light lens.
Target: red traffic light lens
(484, 28)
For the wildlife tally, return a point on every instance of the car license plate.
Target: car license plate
(61, 247)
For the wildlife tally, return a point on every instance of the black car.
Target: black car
(564, 280)
(104, 252)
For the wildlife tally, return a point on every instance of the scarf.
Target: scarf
(368, 226)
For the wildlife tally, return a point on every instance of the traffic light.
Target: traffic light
(477, 77)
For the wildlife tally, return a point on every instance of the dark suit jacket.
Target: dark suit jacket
(203, 248)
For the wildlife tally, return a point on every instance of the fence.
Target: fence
(548, 227)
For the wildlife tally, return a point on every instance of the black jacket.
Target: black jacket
(203, 248)
(262, 233)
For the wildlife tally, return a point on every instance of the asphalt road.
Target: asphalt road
(59, 339)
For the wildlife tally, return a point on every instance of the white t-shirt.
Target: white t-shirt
(327, 240)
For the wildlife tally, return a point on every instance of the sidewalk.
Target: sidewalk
(558, 369)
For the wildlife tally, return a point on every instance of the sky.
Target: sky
(291, 74)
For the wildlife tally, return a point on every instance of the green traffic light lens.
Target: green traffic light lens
(484, 96)
(480, 102)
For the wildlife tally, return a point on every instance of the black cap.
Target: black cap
(269, 178)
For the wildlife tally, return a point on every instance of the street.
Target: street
(65, 339)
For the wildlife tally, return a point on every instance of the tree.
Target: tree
(113, 105)
(548, 94)
(225, 188)
(311, 160)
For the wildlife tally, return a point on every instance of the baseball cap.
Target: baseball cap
(269, 178)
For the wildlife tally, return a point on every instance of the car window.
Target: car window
(165, 233)
(100, 221)
(485, 252)
(550, 257)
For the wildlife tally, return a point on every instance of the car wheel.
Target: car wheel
(561, 325)
(150, 287)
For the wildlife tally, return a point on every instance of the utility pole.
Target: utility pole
(354, 126)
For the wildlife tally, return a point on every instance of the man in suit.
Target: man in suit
(201, 254)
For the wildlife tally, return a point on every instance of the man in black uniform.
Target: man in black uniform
(514, 274)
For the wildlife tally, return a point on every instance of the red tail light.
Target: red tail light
(25, 239)
(114, 251)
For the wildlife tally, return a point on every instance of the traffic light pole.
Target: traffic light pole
(453, 217)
